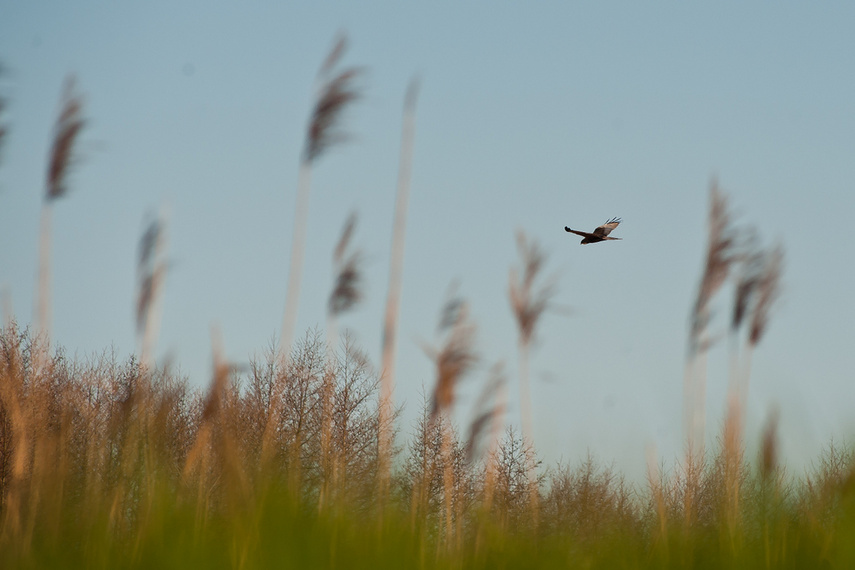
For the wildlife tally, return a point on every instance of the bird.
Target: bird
(599, 234)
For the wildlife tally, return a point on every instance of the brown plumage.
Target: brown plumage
(599, 234)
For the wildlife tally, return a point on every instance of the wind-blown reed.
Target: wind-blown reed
(63, 156)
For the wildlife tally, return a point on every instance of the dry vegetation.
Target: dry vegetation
(299, 460)
(106, 463)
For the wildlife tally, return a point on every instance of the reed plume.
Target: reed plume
(393, 297)
(151, 272)
(346, 293)
(336, 91)
(63, 157)
(456, 358)
(720, 256)
(768, 292)
(488, 424)
(453, 361)
(757, 288)
(528, 305)
(347, 265)
(68, 127)
(764, 294)
(489, 412)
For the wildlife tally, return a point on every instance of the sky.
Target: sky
(527, 119)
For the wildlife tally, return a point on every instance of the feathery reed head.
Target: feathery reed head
(336, 93)
(335, 54)
(347, 291)
(456, 357)
(750, 273)
(528, 305)
(346, 235)
(451, 309)
(147, 244)
(151, 268)
(146, 271)
(68, 127)
(486, 409)
(721, 253)
(768, 291)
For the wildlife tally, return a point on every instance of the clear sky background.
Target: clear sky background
(528, 118)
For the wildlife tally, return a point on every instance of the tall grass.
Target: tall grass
(335, 91)
(393, 297)
(528, 305)
(63, 157)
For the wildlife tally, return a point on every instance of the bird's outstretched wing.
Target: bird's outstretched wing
(607, 228)
(578, 233)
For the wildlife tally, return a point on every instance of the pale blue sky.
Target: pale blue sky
(566, 114)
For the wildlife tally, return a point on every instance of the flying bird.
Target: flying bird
(599, 234)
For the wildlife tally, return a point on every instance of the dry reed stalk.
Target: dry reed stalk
(347, 291)
(67, 129)
(453, 362)
(448, 487)
(656, 485)
(151, 272)
(488, 422)
(43, 310)
(496, 428)
(12, 397)
(528, 306)
(768, 292)
(393, 297)
(334, 94)
(747, 282)
(487, 407)
(457, 356)
(720, 255)
(199, 459)
(295, 270)
(757, 288)
(748, 278)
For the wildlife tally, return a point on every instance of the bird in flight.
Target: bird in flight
(599, 234)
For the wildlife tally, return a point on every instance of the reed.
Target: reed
(528, 304)
(393, 297)
(346, 293)
(454, 360)
(721, 252)
(336, 91)
(151, 273)
(63, 157)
